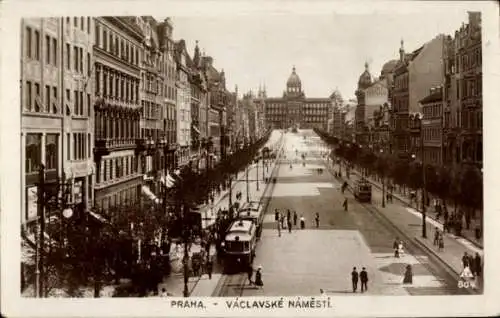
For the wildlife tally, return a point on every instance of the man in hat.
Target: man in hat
(354, 279)
(363, 276)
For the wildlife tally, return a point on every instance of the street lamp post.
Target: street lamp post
(383, 180)
(257, 173)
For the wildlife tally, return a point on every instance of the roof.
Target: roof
(251, 205)
(241, 226)
(433, 97)
(294, 79)
(389, 66)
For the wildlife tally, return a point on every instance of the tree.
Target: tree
(415, 180)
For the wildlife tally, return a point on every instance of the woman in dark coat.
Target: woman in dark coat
(258, 277)
(408, 279)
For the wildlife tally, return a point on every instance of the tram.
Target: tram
(239, 244)
(363, 191)
(253, 211)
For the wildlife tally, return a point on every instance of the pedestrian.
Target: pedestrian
(345, 204)
(289, 225)
(395, 246)
(164, 293)
(441, 242)
(302, 222)
(210, 267)
(288, 216)
(465, 260)
(258, 277)
(400, 248)
(282, 220)
(294, 218)
(471, 263)
(276, 215)
(477, 265)
(279, 228)
(250, 274)
(364, 280)
(408, 278)
(317, 219)
(354, 279)
(436, 237)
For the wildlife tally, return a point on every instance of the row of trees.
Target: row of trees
(462, 187)
(84, 249)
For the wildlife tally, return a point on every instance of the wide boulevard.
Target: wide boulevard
(305, 261)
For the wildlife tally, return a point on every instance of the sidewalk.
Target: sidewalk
(202, 286)
(469, 234)
(409, 220)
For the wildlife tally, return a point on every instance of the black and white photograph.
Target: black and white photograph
(236, 158)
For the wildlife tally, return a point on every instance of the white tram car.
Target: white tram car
(240, 242)
(253, 211)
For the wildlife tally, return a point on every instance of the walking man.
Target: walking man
(210, 267)
(364, 280)
(289, 225)
(279, 228)
(465, 260)
(317, 219)
(294, 218)
(288, 216)
(436, 237)
(250, 274)
(354, 279)
(345, 204)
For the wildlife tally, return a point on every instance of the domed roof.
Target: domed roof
(389, 66)
(294, 79)
(365, 79)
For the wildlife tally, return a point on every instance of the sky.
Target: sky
(328, 50)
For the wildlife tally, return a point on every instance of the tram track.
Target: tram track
(429, 260)
(231, 285)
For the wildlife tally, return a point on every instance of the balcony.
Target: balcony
(146, 145)
(106, 145)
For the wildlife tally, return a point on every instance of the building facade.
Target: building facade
(470, 110)
(295, 110)
(117, 56)
(57, 124)
(361, 126)
(183, 103)
(432, 127)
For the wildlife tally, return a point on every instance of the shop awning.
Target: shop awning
(147, 191)
(97, 216)
(195, 129)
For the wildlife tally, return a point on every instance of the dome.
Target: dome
(294, 79)
(365, 80)
(389, 66)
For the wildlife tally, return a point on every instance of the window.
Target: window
(111, 43)
(29, 96)
(29, 43)
(88, 25)
(81, 103)
(75, 22)
(81, 23)
(68, 147)
(97, 35)
(51, 151)
(47, 49)
(68, 56)
(47, 98)
(89, 66)
(37, 45)
(81, 59)
(54, 51)
(75, 58)
(54, 95)
(97, 81)
(33, 152)
(75, 103)
(89, 109)
(37, 97)
(105, 40)
(89, 145)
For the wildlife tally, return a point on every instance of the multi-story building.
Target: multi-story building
(117, 67)
(165, 31)
(57, 125)
(183, 61)
(468, 57)
(432, 127)
(217, 101)
(198, 109)
(294, 109)
(400, 103)
(335, 115)
(361, 127)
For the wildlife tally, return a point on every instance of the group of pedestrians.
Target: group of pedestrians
(291, 220)
(258, 276)
(398, 247)
(472, 266)
(361, 276)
